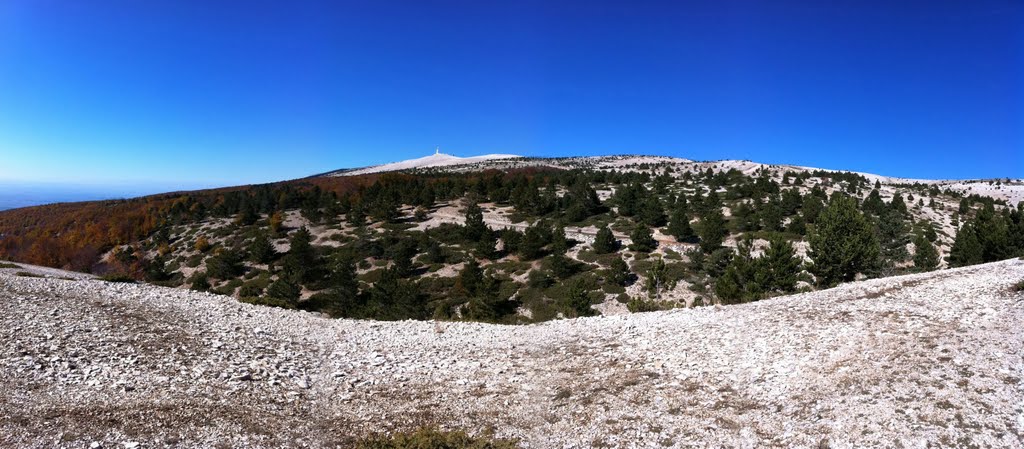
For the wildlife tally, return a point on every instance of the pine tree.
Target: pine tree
(577, 303)
(992, 229)
(898, 204)
(655, 279)
(156, 270)
(475, 228)
(301, 264)
(261, 251)
(712, 230)
(200, 282)
(797, 225)
(781, 266)
(470, 279)
(843, 243)
(533, 242)
(926, 258)
(284, 290)
(619, 273)
(486, 246)
(605, 241)
(967, 249)
(226, 264)
(727, 286)
(559, 242)
(771, 215)
(342, 294)
(873, 204)
(652, 213)
(679, 226)
(642, 239)
(893, 236)
(811, 208)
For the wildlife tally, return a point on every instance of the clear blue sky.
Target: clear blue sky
(201, 93)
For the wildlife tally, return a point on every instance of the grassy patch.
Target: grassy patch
(9, 265)
(117, 277)
(27, 274)
(428, 438)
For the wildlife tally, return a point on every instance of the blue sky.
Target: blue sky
(181, 94)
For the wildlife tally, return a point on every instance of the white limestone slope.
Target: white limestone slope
(926, 360)
(434, 160)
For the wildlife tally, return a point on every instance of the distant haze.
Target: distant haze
(14, 194)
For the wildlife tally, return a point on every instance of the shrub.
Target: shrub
(1019, 286)
(427, 438)
(117, 277)
(267, 301)
(202, 244)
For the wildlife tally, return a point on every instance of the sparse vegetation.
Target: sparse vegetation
(432, 438)
(541, 242)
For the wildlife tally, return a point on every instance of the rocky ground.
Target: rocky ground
(914, 361)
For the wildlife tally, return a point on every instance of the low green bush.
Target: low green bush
(117, 277)
(428, 438)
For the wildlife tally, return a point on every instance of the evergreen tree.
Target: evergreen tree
(873, 204)
(652, 213)
(560, 265)
(284, 290)
(744, 218)
(712, 230)
(797, 225)
(966, 250)
(771, 215)
(474, 228)
(728, 287)
(811, 208)
(341, 298)
(843, 243)
(401, 255)
(533, 242)
(893, 236)
(679, 226)
(898, 204)
(200, 282)
(226, 264)
(780, 266)
(261, 251)
(246, 216)
(577, 303)
(301, 264)
(656, 278)
(486, 246)
(642, 239)
(470, 279)
(992, 231)
(926, 258)
(559, 242)
(393, 298)
(619, 273)
(605, 241)
(156, 270)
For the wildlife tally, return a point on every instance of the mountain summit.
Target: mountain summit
(437, 159)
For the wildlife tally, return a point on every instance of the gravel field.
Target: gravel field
(914, 361)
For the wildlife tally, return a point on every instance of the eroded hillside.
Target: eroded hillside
(931, 359)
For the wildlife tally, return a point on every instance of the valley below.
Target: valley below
(923, 360)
